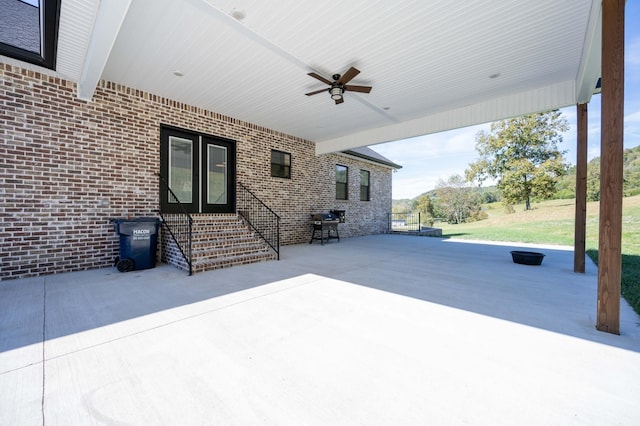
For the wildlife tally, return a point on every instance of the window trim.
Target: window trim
(284, 166)
(50, 13)
(345, 183)
(367, 186)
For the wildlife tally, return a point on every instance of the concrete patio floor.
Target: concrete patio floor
(377, 330)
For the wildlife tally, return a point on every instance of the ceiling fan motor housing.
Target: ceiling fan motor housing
(339, 85)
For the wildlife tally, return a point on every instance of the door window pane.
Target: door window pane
(216, 174)
(180, 169)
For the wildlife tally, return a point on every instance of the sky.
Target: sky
(426, 159)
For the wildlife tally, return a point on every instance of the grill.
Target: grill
(324, 223)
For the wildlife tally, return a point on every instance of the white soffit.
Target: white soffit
(590, 70)
(105, 30)
(538, 100)
(430, 62)
(76, 25)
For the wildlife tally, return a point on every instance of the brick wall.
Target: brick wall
(67, 166)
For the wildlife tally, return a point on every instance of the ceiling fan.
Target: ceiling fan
(339, 85)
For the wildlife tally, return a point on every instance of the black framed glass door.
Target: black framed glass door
(200, 170)
(218, 180)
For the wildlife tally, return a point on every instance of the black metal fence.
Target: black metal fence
(179, 225)
(399, 222)
(260, 217)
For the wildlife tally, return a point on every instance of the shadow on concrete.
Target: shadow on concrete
(471, 276)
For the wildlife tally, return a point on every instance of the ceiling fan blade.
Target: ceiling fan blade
(348, 76)
(361, 89)
(339, 101)
(317, 91)
(321, 78)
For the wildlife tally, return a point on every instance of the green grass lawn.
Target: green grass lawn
(552, 222)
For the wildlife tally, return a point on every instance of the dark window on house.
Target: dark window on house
(342, 182)
(364, 185)
(280, 164)
(29, 30)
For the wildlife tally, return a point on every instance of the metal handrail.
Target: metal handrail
(180, 227)
(264, 221)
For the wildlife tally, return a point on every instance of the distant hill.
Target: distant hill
(567, 184)
(406, 204)
(403, 205)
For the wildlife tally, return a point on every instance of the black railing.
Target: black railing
(260, 217)
(399, 222)
(179, 225)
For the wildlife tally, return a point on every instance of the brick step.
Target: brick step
(215, 216)
(202, 265)
(227, 234)
(218, 251)
(206, 234)
(226, 242)
(211, 217)
(219, 225)
(215, 228)
(217, 220)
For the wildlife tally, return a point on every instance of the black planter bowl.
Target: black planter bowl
(527, 257)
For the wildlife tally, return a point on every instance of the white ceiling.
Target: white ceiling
(429, 62)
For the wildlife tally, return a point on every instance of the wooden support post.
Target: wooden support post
(581, 192)
(611, 163)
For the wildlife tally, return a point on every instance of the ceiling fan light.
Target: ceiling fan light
(336, 93)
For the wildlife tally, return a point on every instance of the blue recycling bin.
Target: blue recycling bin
(138, 243)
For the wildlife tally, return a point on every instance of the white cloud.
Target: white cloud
(426, 159)
(412, 187)
(632, 51)
(430, 147)
(634, 117)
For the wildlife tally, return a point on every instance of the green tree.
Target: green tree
(566, 187)
(455, 200)
(489, 195)
(424, 206)
(522, 154)
(593, 180)
(631, 184)
(631, 175)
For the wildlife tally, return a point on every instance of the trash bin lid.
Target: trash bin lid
(135, 219)
(139, 225)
